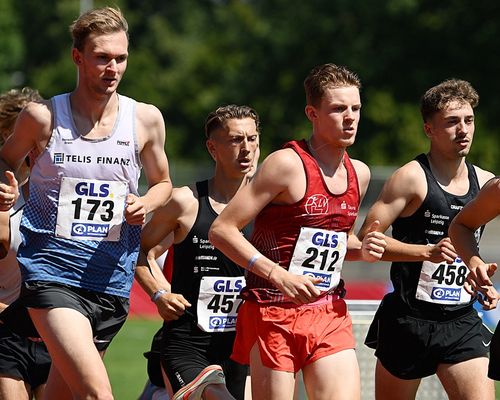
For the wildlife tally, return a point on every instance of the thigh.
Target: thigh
(467, 380)
(68, 336)
(333, 377)
(14, 388)
(390, 387)
(269, 384)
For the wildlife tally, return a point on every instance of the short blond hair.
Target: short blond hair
(327, 76)
(100, 21)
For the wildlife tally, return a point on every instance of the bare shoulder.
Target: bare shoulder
(279, 168)
(284, 160)
(280, 179)
(184, 196)
(150, 123)
(38, 114)
(182, 200)
(362, 171)
(409, 174)
(483, 176)
(406, 182)
(148, 114)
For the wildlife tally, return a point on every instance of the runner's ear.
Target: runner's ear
(211, 148)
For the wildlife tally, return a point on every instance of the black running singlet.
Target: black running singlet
(197, 263)
(432, 288)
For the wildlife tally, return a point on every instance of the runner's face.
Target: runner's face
(235, 148)
(451, 130)
(102, 62)
(337, 117)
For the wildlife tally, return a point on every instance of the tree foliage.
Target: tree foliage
(189, 56)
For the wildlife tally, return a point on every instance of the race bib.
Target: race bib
(218, 302)
(319, 253)
(443, 283)
(90, 209)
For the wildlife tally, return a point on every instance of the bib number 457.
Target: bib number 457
(224, 303)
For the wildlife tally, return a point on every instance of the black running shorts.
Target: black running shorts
(22, 358)
(186, 350)
(412, 348)
(106, 313)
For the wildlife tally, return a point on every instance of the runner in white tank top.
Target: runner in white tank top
(85, 250)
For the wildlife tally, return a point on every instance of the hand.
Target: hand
(442, 251)
(171, 306)
(9, 192)
(479, 283)
(374, 244)
(481, 274)
(489, 299)
(299, 289)
(135, 211)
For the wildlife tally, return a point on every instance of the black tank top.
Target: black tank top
(428, 225)
(196, 257)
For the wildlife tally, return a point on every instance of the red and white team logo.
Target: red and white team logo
(317, 204)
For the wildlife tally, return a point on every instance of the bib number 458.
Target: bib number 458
(450, 274)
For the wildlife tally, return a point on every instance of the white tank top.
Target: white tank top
(73, 224)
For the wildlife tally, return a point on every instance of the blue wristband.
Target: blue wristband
(252, 261)
(156, 295)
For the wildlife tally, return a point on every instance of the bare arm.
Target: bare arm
(272, 183)
(401, 196)
(478, 212)
(373, 244)
(151, 134)
(158, 234)
(31, 132)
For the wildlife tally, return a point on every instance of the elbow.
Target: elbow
(167, 192)
(214, 235)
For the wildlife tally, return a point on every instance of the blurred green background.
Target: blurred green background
(187, 57)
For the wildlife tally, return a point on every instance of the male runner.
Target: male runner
(201, 302)
(24, 363)
(81, 224)
(304, 199)
(428, 325)
(480, 211)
